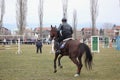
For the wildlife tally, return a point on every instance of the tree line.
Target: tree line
(21, 10)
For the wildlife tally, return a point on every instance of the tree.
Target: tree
(65, 5)
(119, 2)
(94, 13)
(21, 15)
(40, 17)
(75, 23)
(2, 12)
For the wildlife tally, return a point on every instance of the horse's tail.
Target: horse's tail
(88, 58)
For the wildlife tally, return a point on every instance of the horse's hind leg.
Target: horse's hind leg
(75, 61)
(80, 63)
(59, 63)
(56, 56)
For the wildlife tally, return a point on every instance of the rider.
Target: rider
(65, 31)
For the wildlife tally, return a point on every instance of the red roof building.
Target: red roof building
(45, 31)
(87, 32)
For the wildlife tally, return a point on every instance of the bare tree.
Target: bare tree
(2, 11)
(119, 2)
(40, 17)
(94, 13)
(65, 5)
(21, 15)
(75, 23)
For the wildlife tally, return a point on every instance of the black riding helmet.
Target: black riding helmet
(64, 20)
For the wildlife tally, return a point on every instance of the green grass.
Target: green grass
(32, 66)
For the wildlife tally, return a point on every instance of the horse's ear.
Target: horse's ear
(51, 26)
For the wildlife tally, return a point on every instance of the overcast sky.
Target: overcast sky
(109, 11)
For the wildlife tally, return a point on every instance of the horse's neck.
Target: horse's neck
(56, 44)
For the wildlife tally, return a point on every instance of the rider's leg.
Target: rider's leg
(60, 43)
(58, 50)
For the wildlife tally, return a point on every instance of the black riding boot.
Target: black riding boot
(59, 49)
(61, 46)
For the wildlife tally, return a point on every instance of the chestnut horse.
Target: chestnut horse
(74, 49)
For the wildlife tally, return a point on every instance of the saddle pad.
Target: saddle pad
(67, 39)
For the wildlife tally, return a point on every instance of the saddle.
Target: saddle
(64, 42)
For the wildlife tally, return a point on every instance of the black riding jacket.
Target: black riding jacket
(65, 30)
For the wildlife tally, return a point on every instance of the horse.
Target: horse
(74, 50)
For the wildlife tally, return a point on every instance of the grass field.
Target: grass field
(32, 66)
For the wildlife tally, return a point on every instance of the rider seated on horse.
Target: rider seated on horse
(64, 31)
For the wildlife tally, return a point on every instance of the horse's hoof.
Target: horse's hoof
(76, 75)
(55, 71)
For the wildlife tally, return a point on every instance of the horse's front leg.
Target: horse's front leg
(55, 67)
(59, 63)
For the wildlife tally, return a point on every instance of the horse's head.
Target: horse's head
(53, 33)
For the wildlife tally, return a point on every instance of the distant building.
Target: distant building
(116, 30)
(79, 34)
(29, 34)
(87, 32)
(45, 31)
(109, 32)
(5, 31)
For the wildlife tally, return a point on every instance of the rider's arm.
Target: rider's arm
(60, 29)
(71, 30)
